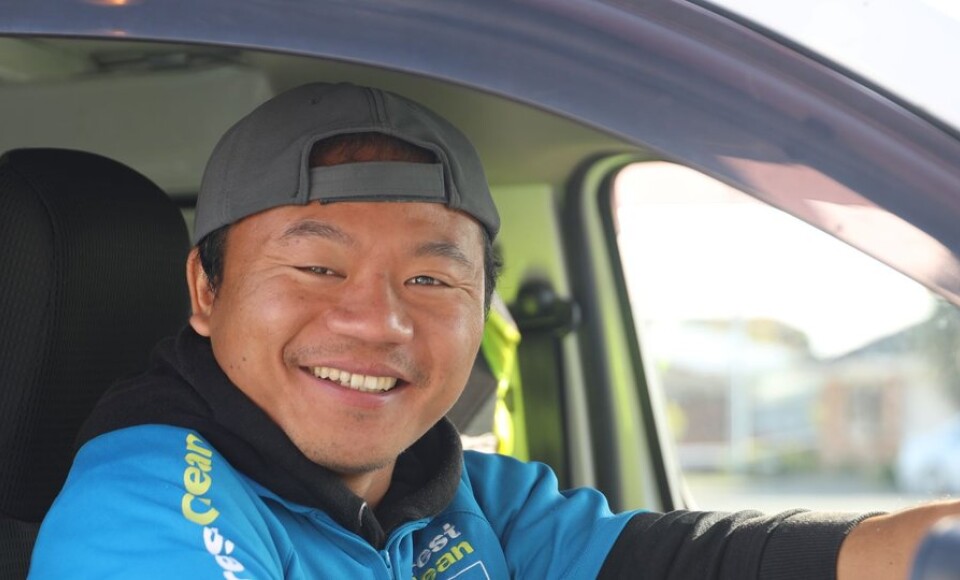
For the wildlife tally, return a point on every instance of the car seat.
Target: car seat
(92, 260)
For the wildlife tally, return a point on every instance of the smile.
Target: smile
(355, 381)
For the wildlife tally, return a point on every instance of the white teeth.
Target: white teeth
(357, 382)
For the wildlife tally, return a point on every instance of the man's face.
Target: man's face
(354, 325)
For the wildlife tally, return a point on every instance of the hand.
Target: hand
(883, 547)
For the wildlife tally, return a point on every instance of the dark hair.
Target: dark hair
(350, 148)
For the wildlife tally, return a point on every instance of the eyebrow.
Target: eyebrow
(317, 228)
(312, 227)
(444, 250)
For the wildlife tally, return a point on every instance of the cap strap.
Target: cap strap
(378, 180)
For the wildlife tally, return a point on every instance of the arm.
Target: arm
(884, 546)
(682, 545)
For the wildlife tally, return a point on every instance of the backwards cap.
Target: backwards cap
(263, 160)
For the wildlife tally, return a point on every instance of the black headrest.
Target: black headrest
(91, 276)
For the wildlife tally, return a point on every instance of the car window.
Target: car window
(796, 370)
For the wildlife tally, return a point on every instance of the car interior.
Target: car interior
(109, 140)
(105, 138)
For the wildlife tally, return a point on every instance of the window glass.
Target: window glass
(797, 371)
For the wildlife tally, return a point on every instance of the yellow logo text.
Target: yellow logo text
(196, 482)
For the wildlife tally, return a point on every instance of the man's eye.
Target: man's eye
(425, 281)
(318, 270)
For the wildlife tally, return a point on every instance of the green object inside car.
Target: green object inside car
(499, 347)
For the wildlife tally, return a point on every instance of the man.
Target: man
(295, 429)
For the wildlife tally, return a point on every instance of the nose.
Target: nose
(370, 309)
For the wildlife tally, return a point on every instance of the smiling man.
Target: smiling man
(352, 325)
(295, 428)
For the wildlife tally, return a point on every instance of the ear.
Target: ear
(201, 294)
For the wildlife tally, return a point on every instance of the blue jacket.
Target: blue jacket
(159, 501)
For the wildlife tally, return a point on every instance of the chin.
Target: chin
(352, 468)
(356, 463)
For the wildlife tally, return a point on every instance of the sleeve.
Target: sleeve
(155, 501)
(681, 545)
(544, 533)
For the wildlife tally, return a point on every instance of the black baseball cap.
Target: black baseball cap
(263, 160)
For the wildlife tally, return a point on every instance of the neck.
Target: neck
(370, 485)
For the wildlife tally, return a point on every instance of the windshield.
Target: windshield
(909, 47)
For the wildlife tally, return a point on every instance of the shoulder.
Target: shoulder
(485, 469)
(498, 479)
(545, 532)
(156, 496)
(157, 450)
(159, 468)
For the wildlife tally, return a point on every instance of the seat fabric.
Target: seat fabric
(92, 260)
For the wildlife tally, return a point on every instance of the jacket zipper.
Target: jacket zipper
(393, 542)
